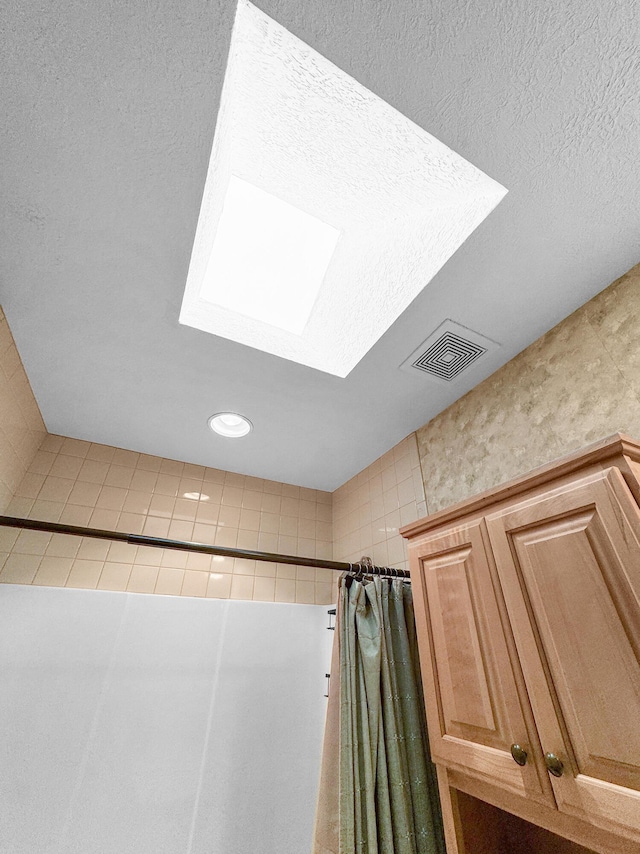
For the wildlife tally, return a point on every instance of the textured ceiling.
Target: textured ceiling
(293, 124)
(109, 112)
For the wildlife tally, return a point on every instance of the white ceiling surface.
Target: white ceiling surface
(295, 125)
(108, 119)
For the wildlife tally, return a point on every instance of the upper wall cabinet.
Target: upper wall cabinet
(528, 609)
(478, 720)
(569, 567)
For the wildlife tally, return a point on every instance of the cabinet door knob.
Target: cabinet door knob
(519, 755)
(554, 765)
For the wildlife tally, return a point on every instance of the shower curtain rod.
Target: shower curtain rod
(201, 548)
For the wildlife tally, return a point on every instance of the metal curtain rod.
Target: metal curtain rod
(201, 548)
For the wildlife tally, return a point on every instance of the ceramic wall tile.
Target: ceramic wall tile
(367, 510)
(82, 483)
(22, 429)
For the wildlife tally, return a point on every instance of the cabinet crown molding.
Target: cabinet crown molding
(611, 450)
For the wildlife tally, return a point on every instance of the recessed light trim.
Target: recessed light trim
(231, 425)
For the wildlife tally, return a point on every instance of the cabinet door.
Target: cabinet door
(473, 706)
(569, 565)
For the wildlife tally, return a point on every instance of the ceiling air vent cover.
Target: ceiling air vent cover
(448, 351)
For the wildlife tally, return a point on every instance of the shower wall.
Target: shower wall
(369, 509)
(21, 426)
(136, 723)
(85, 483)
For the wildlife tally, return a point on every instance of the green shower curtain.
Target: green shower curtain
(378, 791)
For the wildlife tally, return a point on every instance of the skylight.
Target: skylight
(268, 258)
(325, 211)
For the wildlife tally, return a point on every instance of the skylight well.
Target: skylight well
(325, 211)
(268, 258)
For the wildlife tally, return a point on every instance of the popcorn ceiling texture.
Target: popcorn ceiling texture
(21, 426)
(574, 385)
(99, 224)
(321, 135)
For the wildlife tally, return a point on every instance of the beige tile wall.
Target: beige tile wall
(81, 483)
(369, 509)
(21, 425)
(576, 384)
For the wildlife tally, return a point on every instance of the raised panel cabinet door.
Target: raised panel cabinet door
(569, 566)
(473, 705)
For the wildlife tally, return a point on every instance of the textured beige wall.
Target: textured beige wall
(21, 426)
(576, 384)
(82, 483)
(369, 509)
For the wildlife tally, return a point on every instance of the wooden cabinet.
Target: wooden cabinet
(476, 711)
(528, 609)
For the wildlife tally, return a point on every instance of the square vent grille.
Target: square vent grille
(448, 351)
(449, 356)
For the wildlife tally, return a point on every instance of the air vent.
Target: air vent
(449, 356)
(448, 351)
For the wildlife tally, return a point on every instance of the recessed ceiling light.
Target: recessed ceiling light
(230, 424)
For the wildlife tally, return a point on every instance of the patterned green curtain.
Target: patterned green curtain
(380, 795)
